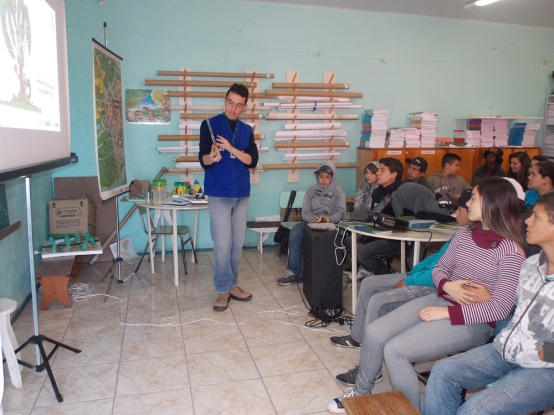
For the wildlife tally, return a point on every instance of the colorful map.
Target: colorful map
(109, 123)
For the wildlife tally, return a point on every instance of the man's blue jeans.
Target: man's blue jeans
(228, 230)
(516, 390)
(296, 237)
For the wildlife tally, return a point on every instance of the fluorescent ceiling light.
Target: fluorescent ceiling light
(478, 3)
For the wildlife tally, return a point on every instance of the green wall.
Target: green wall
(404, 63)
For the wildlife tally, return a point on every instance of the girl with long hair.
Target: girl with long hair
(460, 315)
(541, 181)
(519, 167)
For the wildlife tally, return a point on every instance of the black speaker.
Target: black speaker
(322, 275)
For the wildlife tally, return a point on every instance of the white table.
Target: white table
(411, 236)
(174, 209)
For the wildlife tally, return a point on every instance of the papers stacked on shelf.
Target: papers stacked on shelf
(412, 138)
(374, 128)
(500, 132)
(473, 138)
(427, 123)
(396, 137)
(487, 132)
(523, 134)
(550, 113)
(548, 145)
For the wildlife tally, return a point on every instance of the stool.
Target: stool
(262, 232)
(9, 342)
(388, 403)
(53, 274)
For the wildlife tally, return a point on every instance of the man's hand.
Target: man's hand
(215, 155)
(434, 313)
(457, 290)
(400, 284)
(479, 290)
(223, 144)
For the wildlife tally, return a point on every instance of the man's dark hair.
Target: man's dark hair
(538, 157)
(547, 202)
(394, 165)
(546, 169)
(238, 89)
(449, 158)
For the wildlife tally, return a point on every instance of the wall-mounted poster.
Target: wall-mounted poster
(4, 218)
(147, 106)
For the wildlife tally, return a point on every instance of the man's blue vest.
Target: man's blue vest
(229, 177)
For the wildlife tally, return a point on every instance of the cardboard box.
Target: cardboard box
(68, 217)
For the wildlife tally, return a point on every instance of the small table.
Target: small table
(387, 403)
(410, 236)
(173, 208)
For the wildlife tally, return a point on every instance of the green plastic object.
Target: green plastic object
(77, 237)
(54, 248)
(84, 246)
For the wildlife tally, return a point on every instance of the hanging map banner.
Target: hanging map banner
(108, 122)
(147, 106)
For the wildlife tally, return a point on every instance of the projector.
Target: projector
(387, 221)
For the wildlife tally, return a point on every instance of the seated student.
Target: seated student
(520, 362)
(450, 320)
(492, 166)
(323, 202)
(362, 198)
(519, 167)
(536, 159)
(381, 294)
(388, 177)
(416, 172)
(446, 182)
(541, 181)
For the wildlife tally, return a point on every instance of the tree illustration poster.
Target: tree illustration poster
(108, 122)
(29, 91)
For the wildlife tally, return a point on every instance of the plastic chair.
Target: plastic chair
(183, 231)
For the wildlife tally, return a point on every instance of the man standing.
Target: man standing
(227, 185)
(416, 172)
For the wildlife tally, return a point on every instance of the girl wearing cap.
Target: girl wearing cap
(492, 166)
(452, 319)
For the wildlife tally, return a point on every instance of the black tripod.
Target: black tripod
(38, 339)
(119, 260)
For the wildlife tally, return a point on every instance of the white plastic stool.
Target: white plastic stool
(9, 342)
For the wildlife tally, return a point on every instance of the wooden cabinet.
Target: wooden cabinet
(472, 158)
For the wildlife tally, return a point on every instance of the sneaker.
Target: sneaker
(238, 294)
(289, 279)
(222, 302)
(345, 341)
(335, 406)
(363, 273)
(349, 378)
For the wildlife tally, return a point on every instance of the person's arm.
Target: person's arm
(307, 214)
(446, 264)
(477, 177)
(503, 294)
(421, 274)
(248, 156)
(340, 205)
(207, 154)
(359, 198)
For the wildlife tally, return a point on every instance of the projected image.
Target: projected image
(29, 92)
(147, 106)
(108, 100)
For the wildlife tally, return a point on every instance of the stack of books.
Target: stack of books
(427, 124)
(550, 113)
(487, 132)
(500, 132)
(523, 134)
(473, 138)
(374, 128)
(460, 136)
(412, 138)
(396, 137)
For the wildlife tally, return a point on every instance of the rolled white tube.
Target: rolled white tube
(188, 165)
(318, 126)
(195, 125)
(279, 116)
(311, 133)
(312, 138)
(192, 149)
(319, 99)
(310, 156)
(312, 148)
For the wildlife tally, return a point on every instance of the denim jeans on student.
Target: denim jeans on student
(516, 390)
(379, 296)
(228, 230)
(366, 253)
(296, 237)
(401, 338)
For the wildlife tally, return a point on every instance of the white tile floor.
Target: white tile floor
(176, 355)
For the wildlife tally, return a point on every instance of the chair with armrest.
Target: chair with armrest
(183, 231)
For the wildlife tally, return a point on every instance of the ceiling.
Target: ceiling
(538, 13)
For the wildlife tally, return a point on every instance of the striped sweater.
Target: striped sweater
(488, 259)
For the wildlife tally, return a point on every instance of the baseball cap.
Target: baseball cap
(324, 169)
(462, 200)
(418, 161)
(495, 151)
